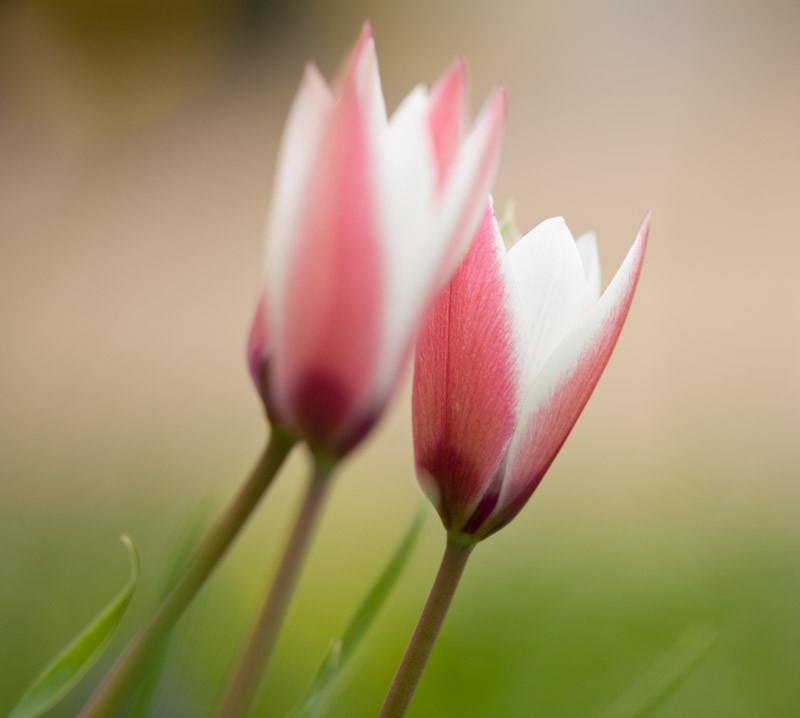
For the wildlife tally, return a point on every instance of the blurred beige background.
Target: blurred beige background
(136, 158)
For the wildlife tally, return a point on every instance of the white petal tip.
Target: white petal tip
(367, 31)
(644, 232)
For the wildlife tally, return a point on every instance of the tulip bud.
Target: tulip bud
(505, 363)
(369, 218)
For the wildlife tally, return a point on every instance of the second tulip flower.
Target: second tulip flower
(369, 219)
(505, 364)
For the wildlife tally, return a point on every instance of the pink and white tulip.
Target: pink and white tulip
(508, 358)
(370, 217)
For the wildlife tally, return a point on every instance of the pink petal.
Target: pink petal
(447, 117)
(470, 179)
(465, 381)
(329, 339)
(304, 132)
(419, 224)
(363, 72)
(565, 385)
(258, 347)
(259, 354)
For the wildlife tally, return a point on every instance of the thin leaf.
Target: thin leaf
(652, 688)
(182, 553)
(69, 666)
(342, 649)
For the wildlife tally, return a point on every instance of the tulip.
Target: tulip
(508, 357)
(369, 219)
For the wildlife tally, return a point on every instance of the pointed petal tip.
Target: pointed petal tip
(313, 76)
(365, 45)
(361, 70)
(493, 113)
(453, 84)
(314, 87)
(557, 223)
(447, 116)
(500, 99)
(365, 42)
(644, 231)
(367, 31)
(457, 72)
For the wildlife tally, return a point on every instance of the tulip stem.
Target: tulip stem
(246, 678)
(125, 674)
(430, 623)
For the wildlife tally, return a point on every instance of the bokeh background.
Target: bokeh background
(137, 144)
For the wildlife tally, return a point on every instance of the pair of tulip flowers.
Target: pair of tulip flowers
(382, 242)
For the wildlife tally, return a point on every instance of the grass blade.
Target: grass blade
(653, 687)
(343, 648)
(143, 698)
(69, 666)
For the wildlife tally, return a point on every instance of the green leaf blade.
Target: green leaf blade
(656, 685)
(342, 649)
(141, 702)
(72, 663)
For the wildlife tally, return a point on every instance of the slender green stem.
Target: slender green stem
(430, 623)
(125, 674)
(247, 676)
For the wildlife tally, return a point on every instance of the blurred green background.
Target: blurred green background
(137, 144)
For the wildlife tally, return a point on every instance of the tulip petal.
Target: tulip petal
(333, 273)
(465, 380)
(300, 143)
(564, 385)
(258, 347)
(552, 289)
(259, 353)
(420, 235)
(407, 177)
(469, 181)
(447, 117)
(549, 292)
(364, 69)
